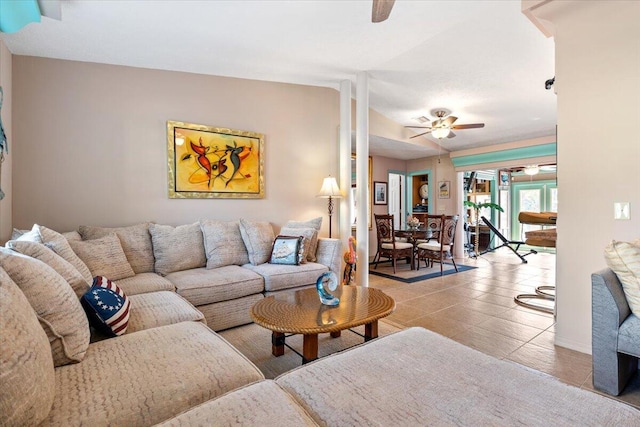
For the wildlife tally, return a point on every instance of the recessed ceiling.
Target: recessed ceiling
(483, 60)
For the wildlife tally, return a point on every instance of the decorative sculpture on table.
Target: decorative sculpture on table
(350, 257)
(4, 145)
(332, 283)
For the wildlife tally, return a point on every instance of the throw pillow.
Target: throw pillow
(287, 250)
(53, 260)
(624, 259)
(104, 257)
(314, 223)
(28, 235)
(56, 305)
(177, 248)
(223, 243)
(56, 241)
(26, 364)
(107, 307)
(135, 241)
(258, 238)
(310, 242)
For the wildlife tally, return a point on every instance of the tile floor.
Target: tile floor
(476, 308)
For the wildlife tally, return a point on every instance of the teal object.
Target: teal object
(503, 155)
(15, 14)
(332, 283)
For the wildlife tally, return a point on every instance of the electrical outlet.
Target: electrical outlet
(621, 210)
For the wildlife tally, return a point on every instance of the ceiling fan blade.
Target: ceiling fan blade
(451, 134)
(381, 10)
(469, 126)
(420, 134)
(449, 120)
(419, 127)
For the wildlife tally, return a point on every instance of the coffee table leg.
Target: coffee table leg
(371, 331)
(309, 348)
(277, 343)
(336, 334)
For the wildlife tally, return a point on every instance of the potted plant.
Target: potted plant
(476, 207)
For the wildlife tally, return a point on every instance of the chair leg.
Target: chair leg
(441, 272)
(454, 264)
(376, 256)
(393, 261)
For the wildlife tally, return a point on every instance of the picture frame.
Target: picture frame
(213, 162)
(444, 189)
(379, 193)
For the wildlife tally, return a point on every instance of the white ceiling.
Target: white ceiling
(483, 60)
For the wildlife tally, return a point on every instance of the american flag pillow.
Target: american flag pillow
(107, 307)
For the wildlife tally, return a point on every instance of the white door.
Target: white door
(395, 199)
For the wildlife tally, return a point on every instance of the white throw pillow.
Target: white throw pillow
(314, 223)
(258, 238)
(177, 248)
(104, 257)
(624, 259)
(223, 243)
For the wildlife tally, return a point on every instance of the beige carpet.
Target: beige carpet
(255, 343)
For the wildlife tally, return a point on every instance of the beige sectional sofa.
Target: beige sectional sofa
(171, 368)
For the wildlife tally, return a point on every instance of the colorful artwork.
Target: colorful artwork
(208, 162)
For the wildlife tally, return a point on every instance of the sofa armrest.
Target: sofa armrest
(609, 308)
(329, 253)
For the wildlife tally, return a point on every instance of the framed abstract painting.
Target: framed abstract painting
(212, 162)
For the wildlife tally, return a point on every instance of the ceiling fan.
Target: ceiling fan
(381, 10)
(443, 126)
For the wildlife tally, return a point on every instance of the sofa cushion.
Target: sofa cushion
(60, 245)
(148, 377)
(277, 277)
(145, 282)
(177, 248)
(135, 241)
(223, 243)
(159, 309)
(310, 236)
(629, 336)
(26, 365)
(104, 257)
(202, 286)
(107, 307)
(258, 238)
(314, 223)
(53, 260)
(260, 404)
(624, 259)
(55, 304)
(287, 250)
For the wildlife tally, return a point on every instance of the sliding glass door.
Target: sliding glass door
(538, 196)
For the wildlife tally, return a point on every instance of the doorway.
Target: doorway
(396, 198)
(538, 196)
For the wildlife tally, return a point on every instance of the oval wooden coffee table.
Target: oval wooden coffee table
(301, 312)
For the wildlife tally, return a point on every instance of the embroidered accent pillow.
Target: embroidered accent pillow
(314, 223)
(107, 307)
(287, 250)
(104, 257)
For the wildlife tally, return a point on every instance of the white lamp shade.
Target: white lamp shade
(330, 188)
(441, 133)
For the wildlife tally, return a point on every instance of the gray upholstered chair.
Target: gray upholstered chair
(615, 334)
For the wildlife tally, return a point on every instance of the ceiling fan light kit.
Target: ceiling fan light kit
(443, 126)
(531, 170)
(441, 132)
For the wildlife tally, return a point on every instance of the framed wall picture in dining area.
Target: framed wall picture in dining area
(379, 193)
(444, 189)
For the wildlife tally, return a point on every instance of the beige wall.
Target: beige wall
(90, 143)
(597, 69)
(6, 110)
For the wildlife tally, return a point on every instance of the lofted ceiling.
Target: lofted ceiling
(483, 60)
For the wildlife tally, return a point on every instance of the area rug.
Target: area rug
(406, 275)
(254, 342)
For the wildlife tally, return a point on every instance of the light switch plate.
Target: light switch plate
(621, 210)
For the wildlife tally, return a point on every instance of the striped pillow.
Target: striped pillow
(624, 259)
(107, 307)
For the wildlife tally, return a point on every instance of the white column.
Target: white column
(344, 223)
(460, 197)
(362, 177)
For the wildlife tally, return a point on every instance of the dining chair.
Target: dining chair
(388, 247)
(432, 227)
(442, 249)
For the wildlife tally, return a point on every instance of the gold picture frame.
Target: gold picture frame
(211, 162)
